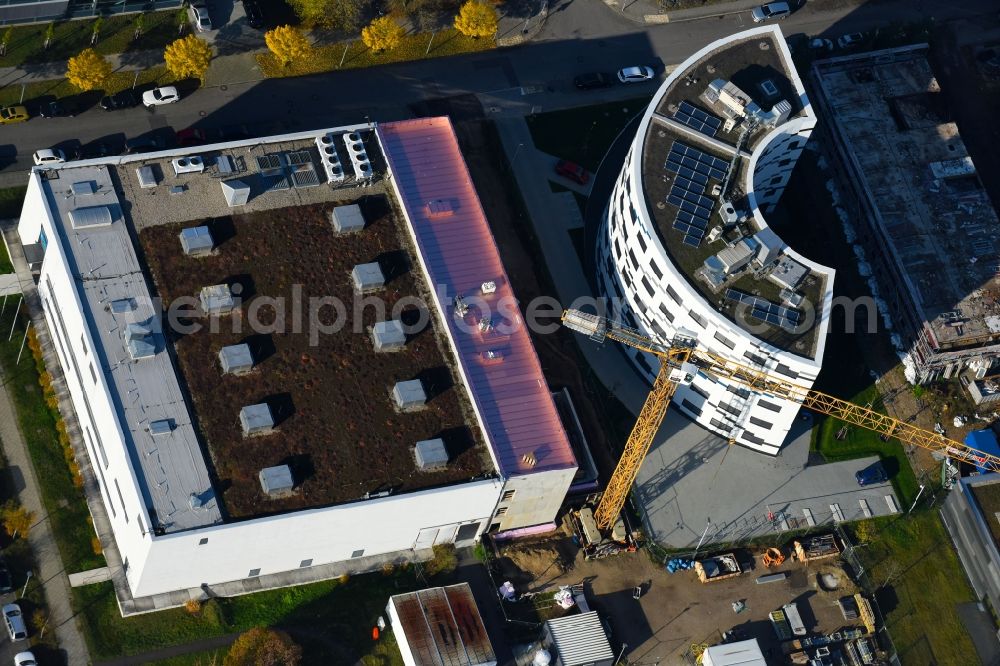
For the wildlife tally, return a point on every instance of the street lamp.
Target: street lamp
(26, 584)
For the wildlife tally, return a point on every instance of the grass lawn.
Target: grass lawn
(11, 200)
(913, 562)
(26, 45)
(120, 80)
(63, 502)
(583, 135)
(5, 265)
(412, 47)
(331, 620)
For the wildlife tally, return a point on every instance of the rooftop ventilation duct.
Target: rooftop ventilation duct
(277, 481)
(196, 241)
(409, 395)
(367, 277)
(346, 219)
(388, 335)
(236, 359)
(256, 420)
(237, 192)
(217, 299)
(140, 342)
(430, 454)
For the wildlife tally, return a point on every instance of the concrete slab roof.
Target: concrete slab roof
(106, 269)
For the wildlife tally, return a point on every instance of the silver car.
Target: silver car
(770, 12)
(14, 621)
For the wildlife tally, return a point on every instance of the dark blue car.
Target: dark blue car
(871, 475)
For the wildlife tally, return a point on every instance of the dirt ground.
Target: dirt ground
(676, 611)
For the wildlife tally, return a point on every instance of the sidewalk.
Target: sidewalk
(652, 12)
(51, 573)
(552, 225)
(49, 71)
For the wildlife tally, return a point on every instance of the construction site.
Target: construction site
(926, 225)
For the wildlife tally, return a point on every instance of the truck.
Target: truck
(794, 619)
(718, 567)
(781, 627)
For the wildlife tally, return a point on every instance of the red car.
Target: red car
(191, 137)
(573, 171)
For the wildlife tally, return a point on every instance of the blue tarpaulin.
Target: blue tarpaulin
(985, 441)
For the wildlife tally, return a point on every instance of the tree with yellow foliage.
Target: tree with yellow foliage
(188, 56)
(288, 44)
(382, 34)
(88, 70)
(476, 19)
(17, 519)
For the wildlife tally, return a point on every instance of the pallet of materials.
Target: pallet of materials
(815, 548)
(719, 567)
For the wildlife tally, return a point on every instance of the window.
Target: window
(639, 239)
(93, 374)
(656, 270)
(673, 294)
(305, 563)
(631, 257)
(626, 278)
(726, 407)
(647, 285)
(721, 425)
(754, 358)
(502, 511)
(700, 391)
(667, 313)
(121, 499)
(618, 250)
(698, 319)
(794, 144)
(254, 573)
(507, 496)
(83, 343)
(142, 528)
(769, 405)
(785, 162)
(658, 329)
(202, 541)
(724, 340)
(739, 390)
(753, 439)
(111, 505)
(760, 423)
(357, 553)
(775, 180)
(785, 370)
(641, 360)
(691, 407)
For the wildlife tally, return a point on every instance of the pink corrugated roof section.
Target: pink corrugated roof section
(457, 247)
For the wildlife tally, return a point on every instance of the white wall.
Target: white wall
(280, 543)
(95, 411)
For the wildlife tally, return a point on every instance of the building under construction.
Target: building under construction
(925, 221)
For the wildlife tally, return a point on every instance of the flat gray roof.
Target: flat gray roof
(105, 268)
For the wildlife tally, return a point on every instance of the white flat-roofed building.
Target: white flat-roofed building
(686, 250)
(146, 453)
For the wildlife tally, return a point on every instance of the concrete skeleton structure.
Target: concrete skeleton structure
(138, 432)
(927, 226)
(685, 250)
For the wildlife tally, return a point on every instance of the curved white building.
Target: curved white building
(686, 250)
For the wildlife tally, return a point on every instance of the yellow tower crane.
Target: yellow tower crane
(680, 361)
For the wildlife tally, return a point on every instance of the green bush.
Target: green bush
(445, 561)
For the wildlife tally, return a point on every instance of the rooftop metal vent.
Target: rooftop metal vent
(388, 335)
(431, 453)
(196, 241)
(140, 342)
(347, 218)
(237, 192)
(256, 419)
(236, 359)
(277, 481)
(84, 188)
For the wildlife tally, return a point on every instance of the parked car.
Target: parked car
(818, 44)
(254, 13)
(5, 580)
(850, 39)
(25, 659)
(573, 171)
(13, 114)
(200, 18)
(593, 80)
(871, 475)
(58, 108)
(161, 96)
(145, 144)
(772, 11)
(126, 99)
(14, 621)
(637, 74)
(49, 156)
(191, 137)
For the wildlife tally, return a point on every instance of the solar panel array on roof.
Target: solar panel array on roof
(697, 119)
(694, 168)
(765, 310)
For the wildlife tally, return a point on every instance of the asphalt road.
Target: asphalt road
(579, 36)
